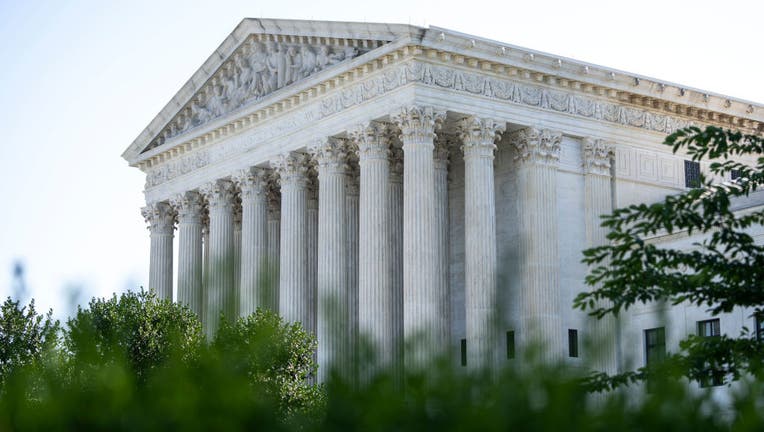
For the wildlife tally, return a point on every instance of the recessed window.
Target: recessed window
(712, 377)
(511, 344)
(572, 343)
(464, 352)
(691, 174)
(735, 174)
(760, 326)
(655, 345)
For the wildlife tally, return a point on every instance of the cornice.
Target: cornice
(532, 72)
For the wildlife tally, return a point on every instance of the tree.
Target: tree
(725, 270)
(136, 327)
(25, 336)
(274, 355)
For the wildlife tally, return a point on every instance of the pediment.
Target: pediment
(259, 58)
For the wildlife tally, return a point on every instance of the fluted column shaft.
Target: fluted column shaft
(271, 282)
(538, 155)
(421, 308)
(160, 218)
(189, 209)
(440, 160)
(478, 136)
(376, 297)
(313, 255)
(220, 293)
(293, 273)
(396, 255)
(333, 317)
(598, 201)
(236, 256)
(254, 238)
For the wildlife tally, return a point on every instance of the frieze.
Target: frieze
(437, 76)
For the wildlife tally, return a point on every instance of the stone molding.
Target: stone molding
(537, 146)
(597, 156)
(160, 217)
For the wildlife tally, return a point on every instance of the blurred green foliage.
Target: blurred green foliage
(25, 336)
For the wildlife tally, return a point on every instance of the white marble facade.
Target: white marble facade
(404, 183)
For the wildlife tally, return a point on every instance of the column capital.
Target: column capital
(353, 181)
(597, 156)
(418, 124)
(292, 168)
(160, 217)
(537, 146)
(251, 182)
(444, 143)
(330, 155)
(372, 139)
(479, 135)
(188, 206)
(219, 194)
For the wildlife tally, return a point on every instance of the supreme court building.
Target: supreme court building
(399, 181)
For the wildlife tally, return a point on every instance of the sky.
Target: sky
(79, 80)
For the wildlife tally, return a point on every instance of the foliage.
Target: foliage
(24, 336)
(723, 271)
(275, 356)
(136, 327)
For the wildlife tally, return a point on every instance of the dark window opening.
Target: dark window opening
(572, 343)
(760, 327)
(713, 377)
(511, 344)
(655, 351)
(691, 174)
(464, 352)
(735, 174)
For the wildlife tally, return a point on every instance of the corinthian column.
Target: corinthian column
(313, 251)
(351, 216)
(220, 283)
(254, 238)
(294, 303)
(422, 300)
(160, 218)
(598, 201)
(333, 341)
(478, 137)
(236, 255)
(375, 279)
(537, 154)
(189, 209)
(440, 159)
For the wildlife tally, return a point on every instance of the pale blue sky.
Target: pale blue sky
(79, 80)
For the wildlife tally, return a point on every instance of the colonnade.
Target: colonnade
(355, 231)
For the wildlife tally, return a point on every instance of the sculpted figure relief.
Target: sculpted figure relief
(254, 71)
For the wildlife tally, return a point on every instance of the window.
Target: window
(572, 343)
(464, 352)
(710, 328)
(760, 326)
(691, 174)
(735, 174)
(511, 344)
(655, 345)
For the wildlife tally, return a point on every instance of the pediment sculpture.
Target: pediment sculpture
(254, 71)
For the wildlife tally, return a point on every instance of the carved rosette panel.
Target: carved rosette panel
(418, 124)
(597, 156)
(189, 207)
(539, 146)
(479, 135)
(219, 194)
(160, 217)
